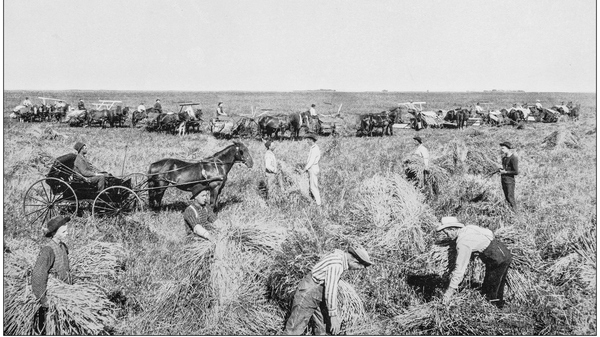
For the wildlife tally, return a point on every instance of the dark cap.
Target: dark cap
(507, 144)
(313, 105)
(55, 223)
(268, 144)
(78, 146)
(360, 254)
(418, 139)
(313, 137)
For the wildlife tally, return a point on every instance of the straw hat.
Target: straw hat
(360, 254)
(449, 221)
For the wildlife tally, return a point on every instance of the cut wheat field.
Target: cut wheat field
(154, 278)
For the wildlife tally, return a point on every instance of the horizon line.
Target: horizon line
(316, 90)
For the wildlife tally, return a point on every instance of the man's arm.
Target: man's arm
(332, 278)
(311, 159)
(462, 262)
(39, 276)
(83, 168)
(514, 164)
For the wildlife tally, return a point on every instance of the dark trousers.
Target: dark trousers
(99, 180)
(497, 259)
(40, 321)
(308, 302)
(508, 187)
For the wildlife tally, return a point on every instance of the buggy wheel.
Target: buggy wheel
(139, 184)
(47, 198)
(114, 204)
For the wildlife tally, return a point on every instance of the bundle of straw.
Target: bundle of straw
(293, 180)
(79, 309)
(350, 305)
(259, 236)
(561, 138)
(96, 260)
(436, 178)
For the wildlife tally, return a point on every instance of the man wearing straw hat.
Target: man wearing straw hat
(508, 171)
(318, 290)
(85, 169)
(197, 216)
(312, 167)
(52, 259)
(422, 152)
(494, 254)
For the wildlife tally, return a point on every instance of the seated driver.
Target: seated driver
(85, 169)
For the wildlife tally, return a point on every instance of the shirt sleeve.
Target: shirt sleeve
(311, 159)
(332, 278)
(462, 262)
(39, 276)
(514, 161)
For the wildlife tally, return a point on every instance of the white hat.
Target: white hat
(449, 221)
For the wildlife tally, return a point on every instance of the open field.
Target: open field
(169, 284)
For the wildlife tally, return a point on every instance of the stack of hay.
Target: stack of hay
(561, 138)
(78, 309)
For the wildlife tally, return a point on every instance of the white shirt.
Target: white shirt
(423, 153)
(270, 162)
(313, 112)
(478, 108)
(313, 157)
(538, 105)
(470, 239)
(141, 107)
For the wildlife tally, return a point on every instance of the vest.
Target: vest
(60, 268)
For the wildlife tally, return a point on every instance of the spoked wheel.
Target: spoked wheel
(48, 198)
(139, 184)
(115, 204)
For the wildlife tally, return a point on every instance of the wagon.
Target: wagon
(65, 192)
(193, 123)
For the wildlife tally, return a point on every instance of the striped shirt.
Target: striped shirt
(470, 239)
(328, 272)
(196, 214)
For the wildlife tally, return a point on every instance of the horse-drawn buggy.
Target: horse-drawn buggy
(65, 192)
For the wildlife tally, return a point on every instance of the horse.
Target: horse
(515, 115)
(208, 174)
(245, 127)
(270, 125)
(365, 125)
(574, 114)
(24, 113)
(117, 116)
(97, 117)
(383, 120)
(297, 121)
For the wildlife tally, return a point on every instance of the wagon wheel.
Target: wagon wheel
(139, 184)
(114, 204)
(47, 198)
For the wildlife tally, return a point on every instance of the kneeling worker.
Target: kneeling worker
(494, 254)
(197, 216)
(318, 290)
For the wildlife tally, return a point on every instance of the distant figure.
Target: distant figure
(312, 167)
(271, 169)
(80, 105)
(510, 168)
(27, 102)
(478, 109)
(157, 106)
(422, 152)
(220, 110)
(314, 118)
(538, 105)
(141, 107)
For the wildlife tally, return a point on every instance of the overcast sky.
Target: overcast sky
(446, 45)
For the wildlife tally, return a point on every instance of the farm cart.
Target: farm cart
(194, 120)
(222, 127)
(65, 192)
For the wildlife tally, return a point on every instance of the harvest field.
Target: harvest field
(159, 280)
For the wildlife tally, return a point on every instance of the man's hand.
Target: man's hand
(448, 295)
(336, 323)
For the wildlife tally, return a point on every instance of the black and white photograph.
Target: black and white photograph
(301, 167)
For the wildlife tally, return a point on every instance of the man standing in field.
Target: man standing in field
(271, 169)
(422, 152)
(85, 169)
(508, 171)
(52, 259)
(494, 254)
(317, 292)
(312, 167)
(158, 106)
(198, 217)
(80, 105)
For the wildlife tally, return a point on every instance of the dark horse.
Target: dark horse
(271, 126)
(208, 174)
(297, 121)
(460, 116)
